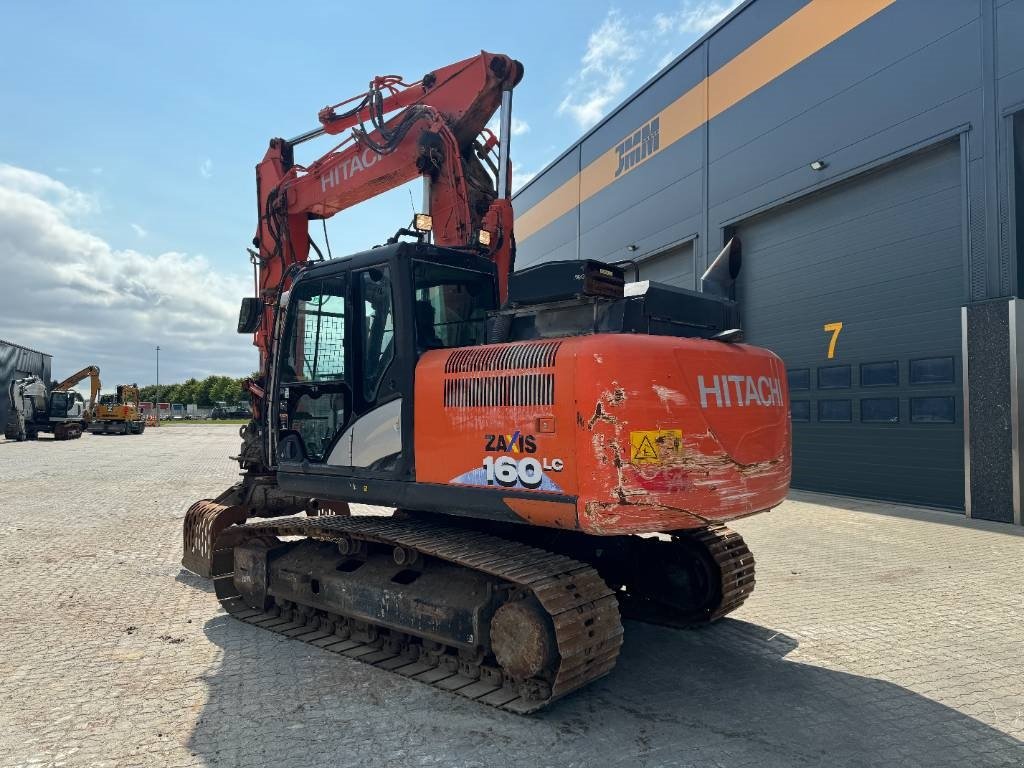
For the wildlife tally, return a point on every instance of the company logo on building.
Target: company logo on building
(635, 149)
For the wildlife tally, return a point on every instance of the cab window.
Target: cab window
(316, 332)
(451, 306)
(378, 328)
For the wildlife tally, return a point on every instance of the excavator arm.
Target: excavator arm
(398, 131)
(91, 372)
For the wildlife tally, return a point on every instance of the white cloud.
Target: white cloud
(520, 177)
(519, 127)
(96, 171)
(693, 17)
(46, 189)
(606, 66)
(621, 46)
(74, 295)
(206, 168)
(140, 231)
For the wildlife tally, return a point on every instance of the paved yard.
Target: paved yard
(878, 636)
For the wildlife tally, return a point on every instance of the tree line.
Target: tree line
(205, 393)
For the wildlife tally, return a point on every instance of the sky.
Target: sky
(129, 133)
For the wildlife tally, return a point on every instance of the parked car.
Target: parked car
(232, 412)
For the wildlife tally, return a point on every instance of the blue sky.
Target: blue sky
(130, 132)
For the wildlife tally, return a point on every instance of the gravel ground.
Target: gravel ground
(878, 635)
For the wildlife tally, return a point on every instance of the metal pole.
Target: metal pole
(428, 184)
(157, 396)
(504, 136)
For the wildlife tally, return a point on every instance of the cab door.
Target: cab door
(376, 431)
(314, 373)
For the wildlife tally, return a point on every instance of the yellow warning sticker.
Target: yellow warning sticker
(654, 446)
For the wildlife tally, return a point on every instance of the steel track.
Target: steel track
(734, 572)
(583, 611)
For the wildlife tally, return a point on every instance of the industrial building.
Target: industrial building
(869, 156)
(17, 362)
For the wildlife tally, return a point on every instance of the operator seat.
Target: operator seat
(426, 334)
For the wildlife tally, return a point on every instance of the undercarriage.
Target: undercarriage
(470, 608)
(117, 427)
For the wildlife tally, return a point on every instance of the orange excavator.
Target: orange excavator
(533, 430)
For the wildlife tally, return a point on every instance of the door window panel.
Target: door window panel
(800, 410)
(835, 411)
(316, 332)
(799, 379)
(880, 374)
(834, 377)
(932, 370)
(880, 410)
(378, 328)
(318, 418)
(932, 410)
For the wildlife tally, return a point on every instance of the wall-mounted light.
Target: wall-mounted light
(631, 248)
(819, 165)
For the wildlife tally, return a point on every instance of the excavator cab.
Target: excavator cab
(65, 404)
(352, 332)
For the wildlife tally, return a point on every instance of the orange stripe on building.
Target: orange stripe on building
(809, 30)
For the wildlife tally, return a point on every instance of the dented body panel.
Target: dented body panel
(613, 433)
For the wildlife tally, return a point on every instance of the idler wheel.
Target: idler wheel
(522, 639)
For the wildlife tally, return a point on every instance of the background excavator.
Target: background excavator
(60, 410)
(529, 428)
(119, 413)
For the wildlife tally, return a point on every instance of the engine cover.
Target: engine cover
(608, 433)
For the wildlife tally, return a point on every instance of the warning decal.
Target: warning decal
(654, 446)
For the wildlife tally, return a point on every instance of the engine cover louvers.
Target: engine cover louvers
(503, 357)
(528, 386)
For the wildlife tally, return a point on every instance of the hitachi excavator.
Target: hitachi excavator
(61, 411)
(561, 448)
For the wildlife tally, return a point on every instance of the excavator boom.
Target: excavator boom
(91, 372)
(400, 131)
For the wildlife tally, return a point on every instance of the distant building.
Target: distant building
(17, 362)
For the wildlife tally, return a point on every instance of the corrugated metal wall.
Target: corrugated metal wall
(16, 362)
(723, 140)
(880, 412)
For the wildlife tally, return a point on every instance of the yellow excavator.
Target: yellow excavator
(119, 413)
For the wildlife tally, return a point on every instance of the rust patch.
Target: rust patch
(612, 398)
(551, 514)
(610, 517)
(668, 396)
(600, 415)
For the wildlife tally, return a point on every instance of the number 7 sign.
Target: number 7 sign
(834, 329)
